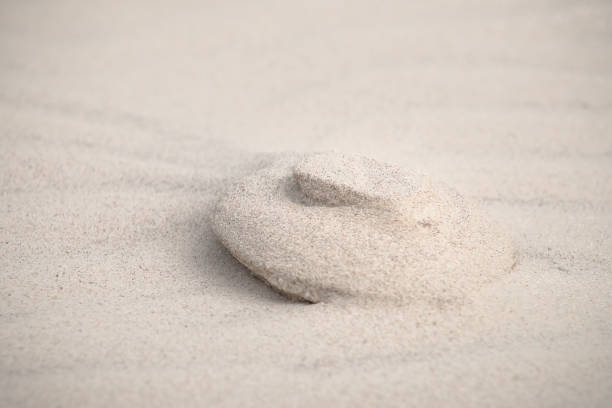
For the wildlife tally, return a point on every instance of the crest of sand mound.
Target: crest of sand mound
(332, 227)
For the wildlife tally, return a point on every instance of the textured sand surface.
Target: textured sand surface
(121, 123)
(329, 227)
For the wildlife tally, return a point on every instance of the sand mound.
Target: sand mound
(326, 227)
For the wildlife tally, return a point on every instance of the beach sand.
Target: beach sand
(122, 124)
(330, 227)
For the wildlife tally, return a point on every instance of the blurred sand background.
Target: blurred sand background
(121, 122)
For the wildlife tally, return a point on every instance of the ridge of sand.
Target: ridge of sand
(330, 227)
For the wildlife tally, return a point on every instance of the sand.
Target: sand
(121, 123)
(328, 227)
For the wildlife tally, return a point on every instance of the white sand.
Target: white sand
(332, 227)
(122, 121)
